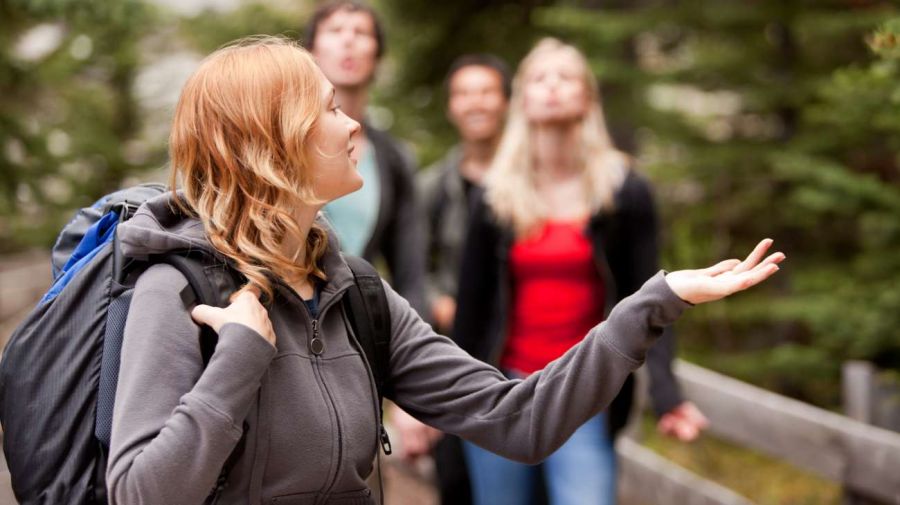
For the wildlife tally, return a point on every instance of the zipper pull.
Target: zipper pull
(316, 345)
(385, 440)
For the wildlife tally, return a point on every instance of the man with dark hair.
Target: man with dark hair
(382, 219)
(478, 90)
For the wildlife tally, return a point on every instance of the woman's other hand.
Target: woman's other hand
(726, 277)
(245, 309)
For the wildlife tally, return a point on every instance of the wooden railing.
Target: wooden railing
(864, 459)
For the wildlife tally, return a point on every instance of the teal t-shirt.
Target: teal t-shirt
(353, 216)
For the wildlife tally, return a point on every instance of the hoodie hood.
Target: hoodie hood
(159, 227)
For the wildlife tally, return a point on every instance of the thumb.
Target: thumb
(205, 314)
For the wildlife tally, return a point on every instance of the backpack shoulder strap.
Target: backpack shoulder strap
(203, 289)
(206, 288)
(367, 309)
(370, 318)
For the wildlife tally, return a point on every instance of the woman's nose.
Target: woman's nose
(355, 127)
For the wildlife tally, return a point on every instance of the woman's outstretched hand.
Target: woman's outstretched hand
(244, 309)
(726, 277)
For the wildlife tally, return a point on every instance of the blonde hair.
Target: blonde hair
(239, 147)
(510, 183)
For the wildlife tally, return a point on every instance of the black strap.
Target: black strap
(370, 318)
(210, 282)
(195, 267)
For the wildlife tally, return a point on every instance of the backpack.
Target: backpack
(60, 368)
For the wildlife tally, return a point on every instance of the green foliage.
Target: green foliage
(772, 119)
(208, 31)
(66, 116)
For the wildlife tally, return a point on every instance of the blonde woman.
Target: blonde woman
(567, 230)
(259, 146)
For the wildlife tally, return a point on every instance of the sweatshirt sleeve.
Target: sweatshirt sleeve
(174, 423)
(524, 420)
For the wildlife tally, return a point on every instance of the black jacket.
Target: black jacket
(398, 236)
(626, 252)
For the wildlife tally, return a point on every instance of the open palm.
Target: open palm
(726, 277)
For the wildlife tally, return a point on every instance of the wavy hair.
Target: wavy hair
(239, 148)
(510, 185)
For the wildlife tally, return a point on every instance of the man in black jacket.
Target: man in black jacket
(381, 219)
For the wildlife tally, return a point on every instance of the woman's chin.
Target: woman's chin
(356, 185)
(359, 182)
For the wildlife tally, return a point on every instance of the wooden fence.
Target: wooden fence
(864, 459)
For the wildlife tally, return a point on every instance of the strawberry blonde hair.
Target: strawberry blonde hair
(239, 146)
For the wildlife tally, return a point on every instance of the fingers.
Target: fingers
(693, 414)
(775, 258)
(686, 430)
(752, 271)
(754, 257)
(721, 267)
(755, 276)
(245, 309)
(666, 424)
(250, 290)
(685, 422)
(210, 316)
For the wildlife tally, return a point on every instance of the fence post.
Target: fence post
(857, 386)
(857, 392)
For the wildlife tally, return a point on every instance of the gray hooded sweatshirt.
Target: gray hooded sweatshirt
(311, 419)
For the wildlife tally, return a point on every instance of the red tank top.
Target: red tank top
(557, 295)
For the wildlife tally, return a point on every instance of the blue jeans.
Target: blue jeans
(581, 472)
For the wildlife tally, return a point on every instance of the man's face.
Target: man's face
(477, 105)
(345, 48)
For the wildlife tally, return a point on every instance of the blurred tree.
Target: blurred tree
(208, 31)
(68, 117)
(766, 118)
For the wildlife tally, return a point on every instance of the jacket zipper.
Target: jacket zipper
(316, 347)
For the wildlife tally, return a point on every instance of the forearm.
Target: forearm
(527, 420)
